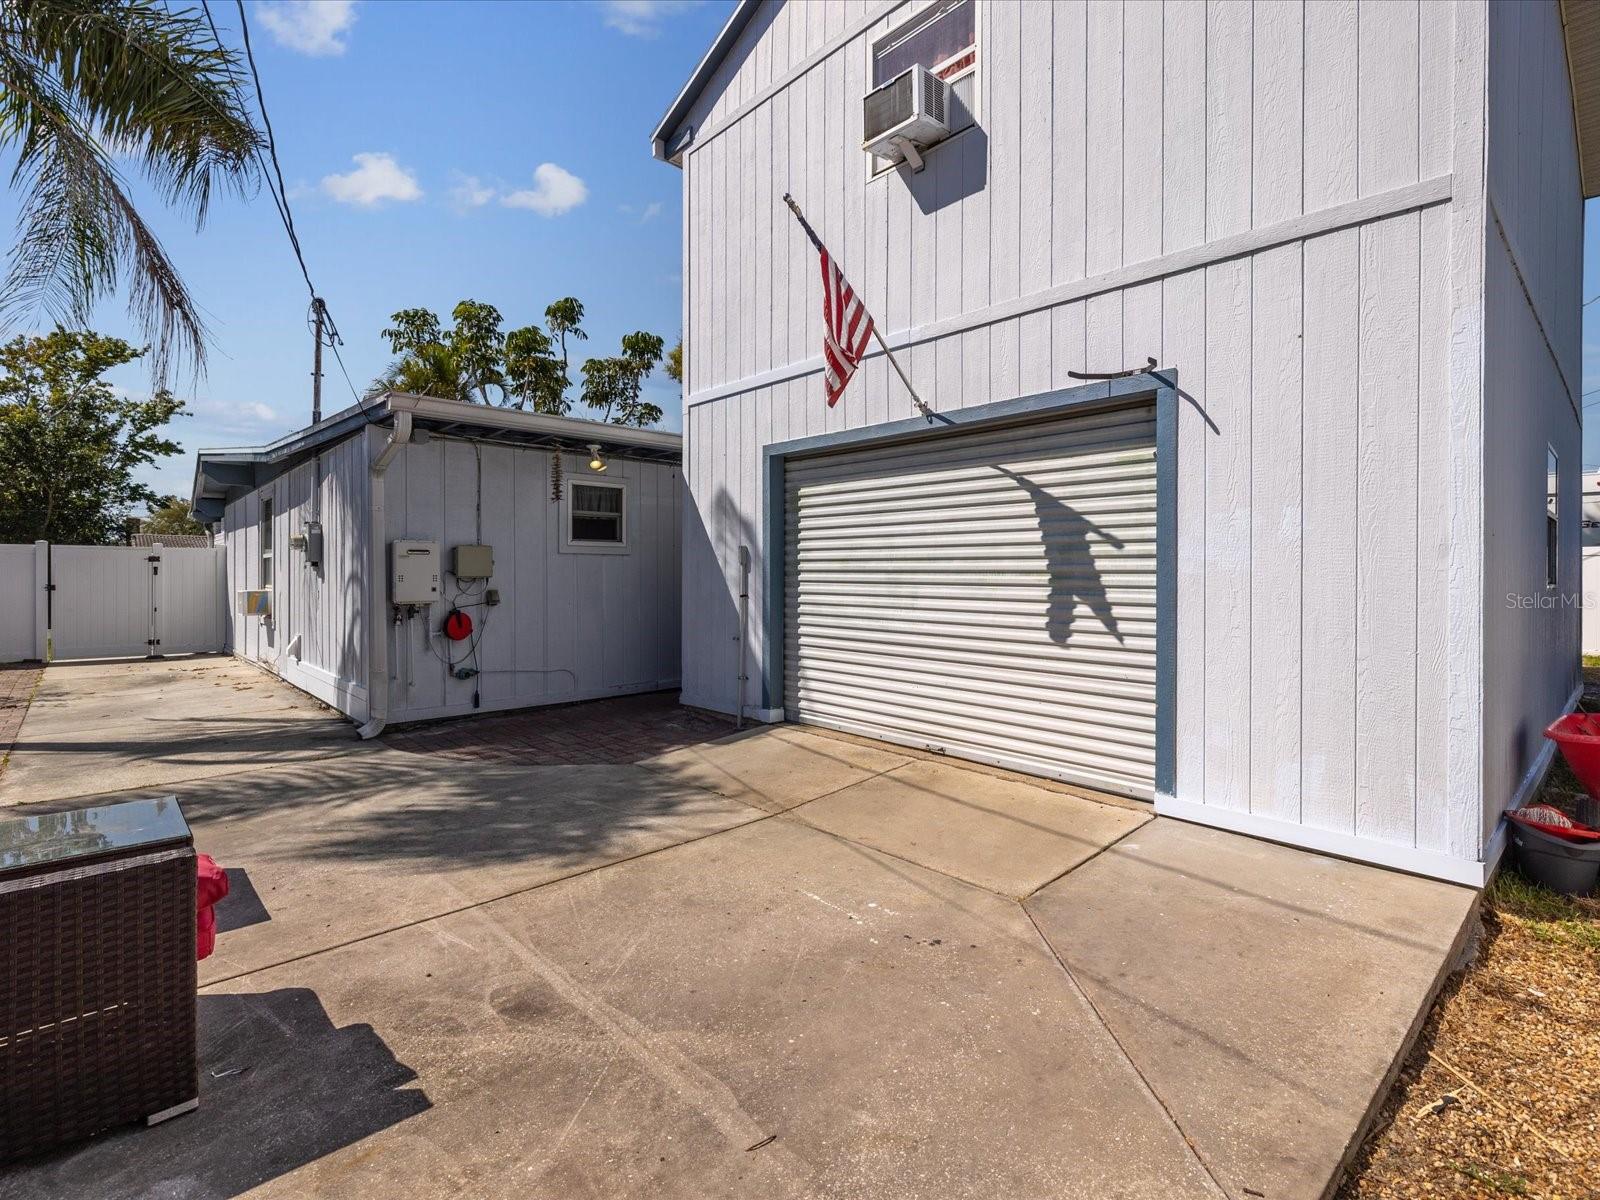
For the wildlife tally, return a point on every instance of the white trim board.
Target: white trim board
(1327, 841)
(810, 63)
(1410, 198)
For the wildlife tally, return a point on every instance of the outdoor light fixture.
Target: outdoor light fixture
(596, 463)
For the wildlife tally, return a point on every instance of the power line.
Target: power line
(281, 193)
(280, 201)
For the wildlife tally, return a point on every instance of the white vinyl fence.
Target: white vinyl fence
(110, 601)
(24, 571)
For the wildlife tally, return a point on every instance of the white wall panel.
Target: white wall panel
(569, 626)
(326, 607)
(1324, 388)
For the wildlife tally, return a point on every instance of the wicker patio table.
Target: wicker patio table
(97, 972)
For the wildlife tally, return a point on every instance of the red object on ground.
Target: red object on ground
(211, 885)
(457, 625)
(1554, 822)
(1578, 735)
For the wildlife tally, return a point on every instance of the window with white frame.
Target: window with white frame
(1552, 519)
(266, 542)
(943, 37)
(597, 515)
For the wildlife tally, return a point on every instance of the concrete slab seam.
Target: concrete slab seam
(1127, 1057)
(1148, 817)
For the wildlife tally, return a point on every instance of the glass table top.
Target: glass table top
(59, 837)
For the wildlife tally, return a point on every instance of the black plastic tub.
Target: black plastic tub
(1571, 868)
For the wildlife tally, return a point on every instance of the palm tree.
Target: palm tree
(434, 369)
(84, 85)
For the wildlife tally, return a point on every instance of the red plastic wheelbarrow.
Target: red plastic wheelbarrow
(1578, 735)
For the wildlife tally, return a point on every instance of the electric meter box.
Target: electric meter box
(413, 572)
(472, 562)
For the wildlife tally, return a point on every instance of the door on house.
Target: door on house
(989, 594)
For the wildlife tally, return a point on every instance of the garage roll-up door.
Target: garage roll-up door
(988, 594)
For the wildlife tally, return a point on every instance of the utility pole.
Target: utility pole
(318, 317)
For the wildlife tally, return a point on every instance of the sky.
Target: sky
(433, 152)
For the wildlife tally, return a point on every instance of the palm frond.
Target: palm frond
(78, 230)
(76, 77)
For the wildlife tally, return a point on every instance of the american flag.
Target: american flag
(847, 326)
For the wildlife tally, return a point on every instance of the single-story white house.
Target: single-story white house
(1302, 578)
(350, 542)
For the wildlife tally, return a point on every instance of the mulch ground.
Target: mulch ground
(1501, 1096)
(18, 682)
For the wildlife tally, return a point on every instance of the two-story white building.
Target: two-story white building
(1302, 579)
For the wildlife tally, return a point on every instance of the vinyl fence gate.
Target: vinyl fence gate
(114, 601)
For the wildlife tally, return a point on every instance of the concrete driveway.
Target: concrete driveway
(775, 964)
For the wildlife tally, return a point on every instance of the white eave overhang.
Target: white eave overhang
(221, 476)
(1580, 23)
(670, 140)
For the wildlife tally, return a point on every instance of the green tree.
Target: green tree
(674, 363)
(69, 443)
(170, 514)
(615, 385)
(462, 363)
(81, 80)
(474, 361)
(565, 317)
(534, 375)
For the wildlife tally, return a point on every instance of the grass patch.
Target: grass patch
(1500, 1181)
(1546, 915)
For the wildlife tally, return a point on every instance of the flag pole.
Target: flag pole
(878, 336)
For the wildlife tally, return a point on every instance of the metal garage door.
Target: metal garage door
(991, 595)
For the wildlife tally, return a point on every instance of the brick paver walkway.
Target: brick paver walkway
(17, 684)
(624, 730)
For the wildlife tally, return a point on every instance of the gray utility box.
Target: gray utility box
(472, 562)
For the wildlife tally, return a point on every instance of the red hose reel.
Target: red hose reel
(457, 625)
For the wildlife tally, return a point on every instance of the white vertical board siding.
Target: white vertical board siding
(569, 626)
(325, 608)
(1316, 371)
(1532, 372)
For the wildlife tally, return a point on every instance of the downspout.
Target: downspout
(377, 622)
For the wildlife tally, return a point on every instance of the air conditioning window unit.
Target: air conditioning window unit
(906, 116)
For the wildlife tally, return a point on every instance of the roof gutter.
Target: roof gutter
(377, 616)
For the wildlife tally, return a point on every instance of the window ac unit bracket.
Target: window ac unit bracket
(908, 151)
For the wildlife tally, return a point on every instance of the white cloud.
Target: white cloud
(316, 27)
(555, 190)
(470, 192)
(642, 18)
(377, 178)
(644, 215)
(261, 412)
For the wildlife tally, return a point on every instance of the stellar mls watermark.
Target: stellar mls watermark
(1548, 600)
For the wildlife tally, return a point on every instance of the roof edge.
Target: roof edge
(737, 20)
